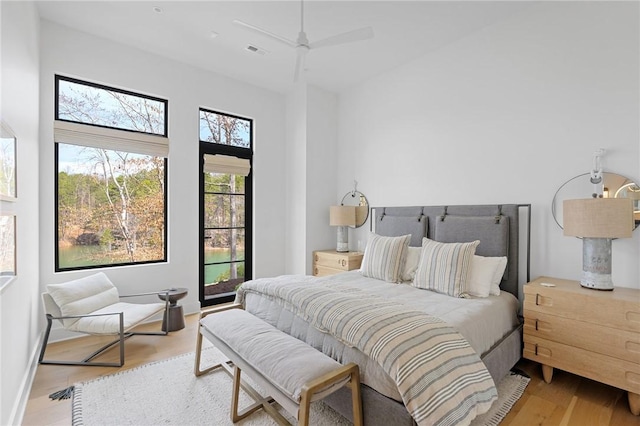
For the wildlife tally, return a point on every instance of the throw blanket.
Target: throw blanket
(441, 379)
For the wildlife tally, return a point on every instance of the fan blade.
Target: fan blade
(348, 37)
(300, 60)
(266, 33)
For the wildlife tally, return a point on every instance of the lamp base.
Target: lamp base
(596, 282)
(596, 264)
(343, 239)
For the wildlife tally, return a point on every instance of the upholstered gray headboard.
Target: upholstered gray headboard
(496, 226)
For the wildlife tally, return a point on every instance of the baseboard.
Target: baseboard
(20, 404)
(191, 308)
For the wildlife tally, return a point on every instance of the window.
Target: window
(226, 195)
(110, 159)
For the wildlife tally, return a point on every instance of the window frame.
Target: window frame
(56, 112)
(164, 259)
(208, 147)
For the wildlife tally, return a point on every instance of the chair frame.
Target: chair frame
(122, 335)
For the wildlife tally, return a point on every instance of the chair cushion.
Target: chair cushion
(134, 313)
(83, 296)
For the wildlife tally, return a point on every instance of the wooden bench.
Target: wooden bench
(293, 373)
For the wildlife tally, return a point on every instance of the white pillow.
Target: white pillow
(501, 265)
(481, 276)
(384, 257)
(411, 264)
(486, 275)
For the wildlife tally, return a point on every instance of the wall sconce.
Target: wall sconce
(597, 221)
(342, 217)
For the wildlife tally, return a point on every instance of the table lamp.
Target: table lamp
(342, 217)
(597, 221)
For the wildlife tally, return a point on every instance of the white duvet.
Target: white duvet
(482, 321)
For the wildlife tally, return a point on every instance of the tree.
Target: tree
(132, 185)
(7, 166)
(228, 130)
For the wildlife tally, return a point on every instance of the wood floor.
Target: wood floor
(569, 400)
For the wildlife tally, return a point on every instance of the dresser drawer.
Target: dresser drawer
(612, 371)
(622, 344)
(323, 271)
(341, 262)
(617, 309)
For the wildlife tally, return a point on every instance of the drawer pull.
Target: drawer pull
(632, 346)
(536, 330)
(343, 262)
(633, 316)
(632, 377)
(542, 351)
(543, 300)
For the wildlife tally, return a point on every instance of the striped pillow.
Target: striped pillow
(444, 267)
(384, 257)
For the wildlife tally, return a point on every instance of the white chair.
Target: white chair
(92, 305)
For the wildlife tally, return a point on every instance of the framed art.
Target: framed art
(8, 146)
(7, 248)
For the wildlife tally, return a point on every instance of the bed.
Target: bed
(489, 324)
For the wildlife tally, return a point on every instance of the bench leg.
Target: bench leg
(196, 366)
(356, 398)
(303, 411)
(235, 395)
(308, 390)
(235, 398)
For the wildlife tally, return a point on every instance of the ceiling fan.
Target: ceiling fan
(302, 44)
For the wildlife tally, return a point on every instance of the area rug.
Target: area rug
(168, 393)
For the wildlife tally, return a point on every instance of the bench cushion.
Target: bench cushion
(287, 363)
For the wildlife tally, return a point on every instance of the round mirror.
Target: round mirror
(357, 199)
(612, 186)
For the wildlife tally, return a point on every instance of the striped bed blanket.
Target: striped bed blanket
(441, 379)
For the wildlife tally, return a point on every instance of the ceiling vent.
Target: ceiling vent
(255, 49)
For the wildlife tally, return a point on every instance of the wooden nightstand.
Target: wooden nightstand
(329, 262)
(591, 333)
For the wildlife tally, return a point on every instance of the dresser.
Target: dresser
(329, 262)
(591, 333)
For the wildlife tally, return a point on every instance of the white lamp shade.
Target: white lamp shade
(342, 216)
(598, 218)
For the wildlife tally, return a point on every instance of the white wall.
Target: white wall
(311, 178)
(322, 134)
(71, 53)
(506, 115)
(295, 210)
(20, 312)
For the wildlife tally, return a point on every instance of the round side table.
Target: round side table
(176, 314)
